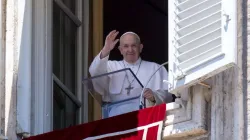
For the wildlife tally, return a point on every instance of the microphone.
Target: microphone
(165, 81)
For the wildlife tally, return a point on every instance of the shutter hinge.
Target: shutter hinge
(180, 76)
(227, 17)
(180, 73)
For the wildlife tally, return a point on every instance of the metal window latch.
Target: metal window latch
(180, 76)
(227, 17)
(168, 83)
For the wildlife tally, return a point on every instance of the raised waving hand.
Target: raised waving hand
(110, 43)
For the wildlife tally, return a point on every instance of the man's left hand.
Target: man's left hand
(148, 94)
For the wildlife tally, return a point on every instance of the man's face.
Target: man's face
(130, 48)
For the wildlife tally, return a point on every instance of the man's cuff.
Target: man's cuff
(104, 58)
(154, 101)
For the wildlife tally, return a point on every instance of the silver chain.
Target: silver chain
(135, 74)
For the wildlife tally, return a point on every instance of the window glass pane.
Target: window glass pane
(71, 4)
(64, 111)
(64, 48)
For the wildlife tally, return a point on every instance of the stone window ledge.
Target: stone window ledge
(187, 117)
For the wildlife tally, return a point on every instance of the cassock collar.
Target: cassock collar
(134, 64)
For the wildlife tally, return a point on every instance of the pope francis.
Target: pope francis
(124, 86)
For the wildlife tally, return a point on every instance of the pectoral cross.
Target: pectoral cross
(129, 88)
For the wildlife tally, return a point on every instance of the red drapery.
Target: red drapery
(142, 124)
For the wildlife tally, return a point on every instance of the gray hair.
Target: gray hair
(132, 33)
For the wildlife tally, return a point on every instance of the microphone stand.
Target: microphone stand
(141, 105)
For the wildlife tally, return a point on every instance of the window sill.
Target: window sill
(187, 118)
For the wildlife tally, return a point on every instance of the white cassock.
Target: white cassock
(117, 83)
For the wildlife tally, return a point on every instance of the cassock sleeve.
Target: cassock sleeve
(99, 66)
(161, 95)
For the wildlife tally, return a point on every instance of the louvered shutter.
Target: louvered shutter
(202, 40)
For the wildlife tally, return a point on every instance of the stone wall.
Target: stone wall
(2, 65)
(9, 69)
(246, 65)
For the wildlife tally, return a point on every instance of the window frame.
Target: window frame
(42, 110)
(77, 20)
(42, 67)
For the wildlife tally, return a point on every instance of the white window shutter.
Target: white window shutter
(202, 40)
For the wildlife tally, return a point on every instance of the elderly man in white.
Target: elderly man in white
(124, 86)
